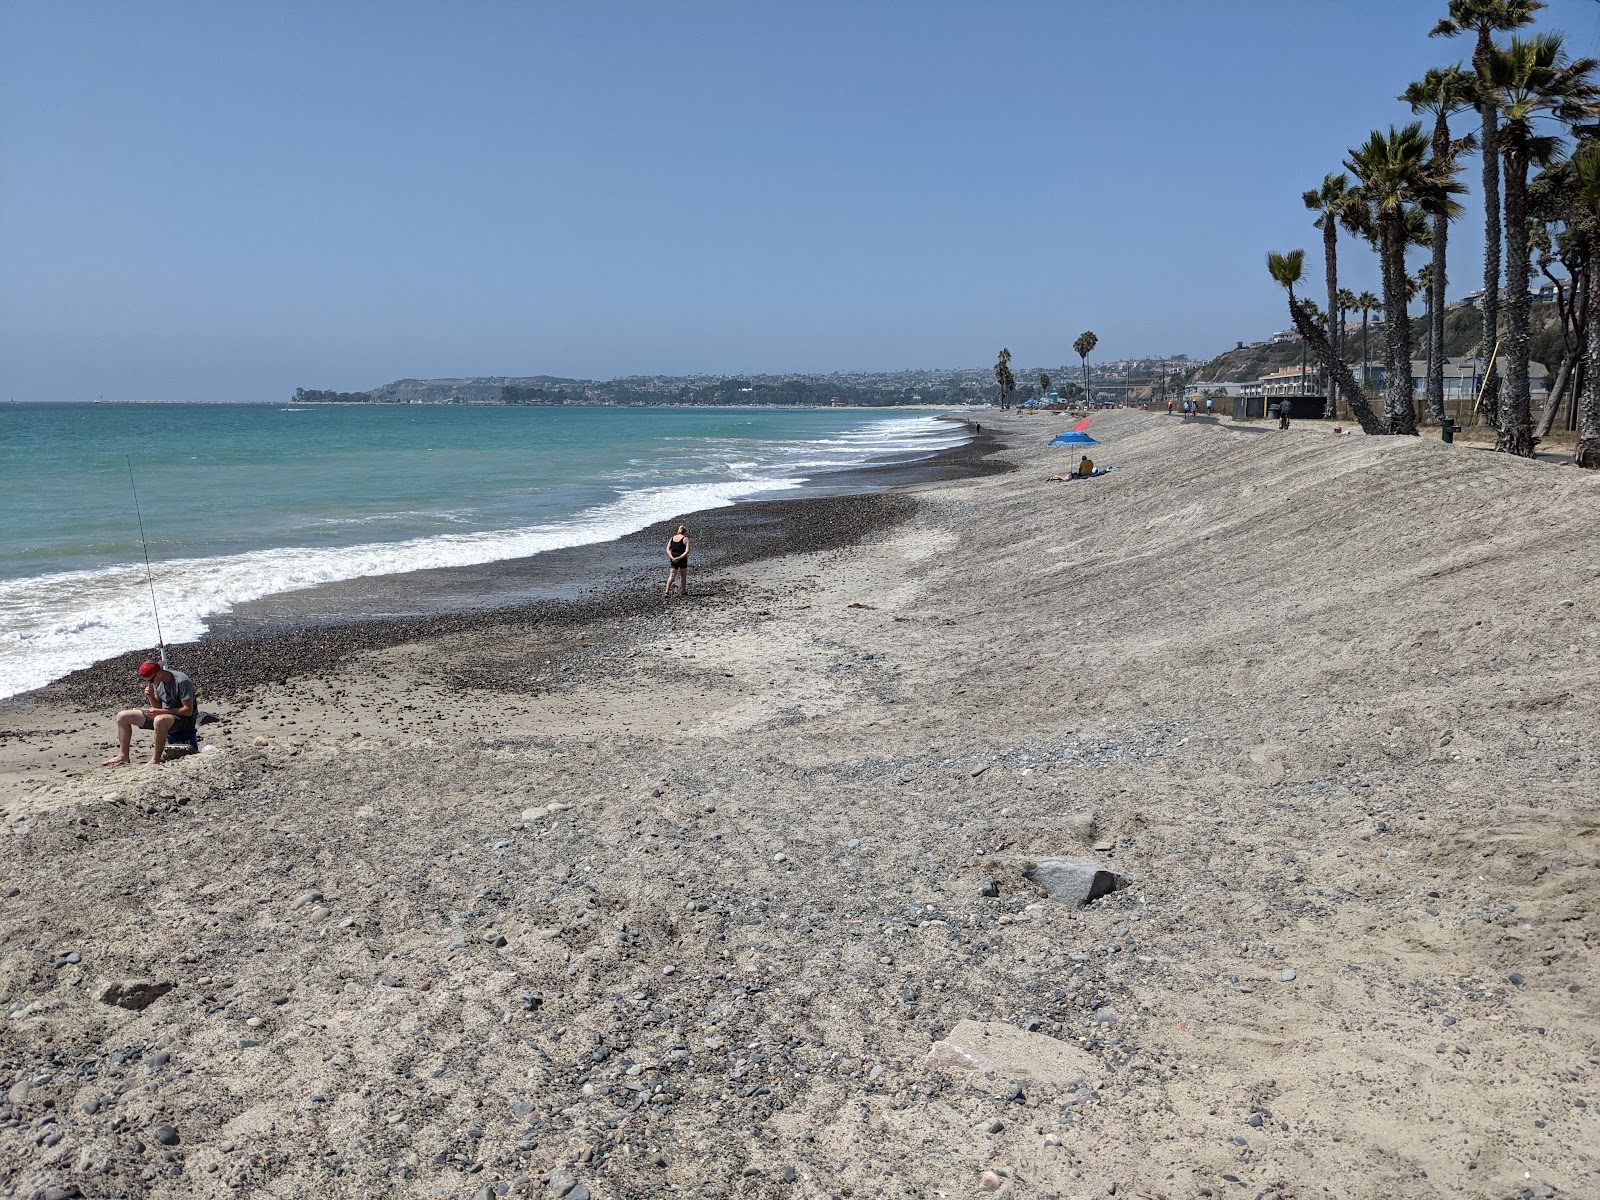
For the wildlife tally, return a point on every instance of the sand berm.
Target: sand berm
(732, 898)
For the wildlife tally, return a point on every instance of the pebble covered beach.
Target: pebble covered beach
(769, 892)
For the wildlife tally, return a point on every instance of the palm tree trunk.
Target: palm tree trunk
(1488, 147)
(1588, 452)
(1399, 401)
(1312, 335)
(1558, 392)
(1086, 399)
(1436, 302)
(1516, 406)
(1365, 312)
(1568, 378)
(1330, 261)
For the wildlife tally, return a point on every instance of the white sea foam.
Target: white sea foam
(55, 624)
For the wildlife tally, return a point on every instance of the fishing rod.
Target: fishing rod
(149, 577)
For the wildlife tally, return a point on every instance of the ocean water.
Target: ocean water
(243, 501)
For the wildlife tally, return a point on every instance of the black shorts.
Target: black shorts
(679, 564)
(182, 727)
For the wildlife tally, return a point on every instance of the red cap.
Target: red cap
(148, 670)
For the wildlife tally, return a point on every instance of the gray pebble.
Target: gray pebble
(246, 1043)
(579, 1192)
(91, 1105)
(994, 1126)
(988, 888)
(790, 1175)
(1255, 1120)
(165, 1134)
(160, 1058)
(1288, 975)
(1516, 978)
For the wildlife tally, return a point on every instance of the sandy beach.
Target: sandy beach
(599, 897)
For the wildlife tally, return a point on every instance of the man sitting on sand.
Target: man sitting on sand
(172, 713)
(1085, 466)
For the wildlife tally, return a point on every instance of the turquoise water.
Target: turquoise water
(241, 501)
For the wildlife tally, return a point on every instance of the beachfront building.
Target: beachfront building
(1287, 381)
(1463, 380)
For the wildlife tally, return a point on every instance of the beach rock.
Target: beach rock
(18, 1095)
(133, 994)
(1084, 826)
(989, 1181)
(547, 810)
(166, 1135)
(993, 1046)
(1073, 881)
(305, 898)
(988, 888)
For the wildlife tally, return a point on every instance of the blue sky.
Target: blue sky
(225, 201)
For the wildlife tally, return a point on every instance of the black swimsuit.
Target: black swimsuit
(678, 552)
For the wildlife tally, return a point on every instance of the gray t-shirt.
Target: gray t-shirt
(173, 695)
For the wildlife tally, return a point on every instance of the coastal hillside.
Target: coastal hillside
(1463, 331)
(1222, 825)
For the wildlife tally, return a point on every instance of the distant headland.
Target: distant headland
(841, 390)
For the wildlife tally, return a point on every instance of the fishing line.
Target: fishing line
(161, 642)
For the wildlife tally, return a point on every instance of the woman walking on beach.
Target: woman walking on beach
(678, 561)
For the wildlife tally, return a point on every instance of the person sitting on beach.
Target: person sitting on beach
(172, 712)
(678, 561)
(1086, 466)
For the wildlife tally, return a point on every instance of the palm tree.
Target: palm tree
(1367, 303)
(1044, 384)
(1333, 204)
(1587, 164)
(1399, 176)
(1003, 376)
(1083, 347)
(1532, 80)
(1443, 91)
(1347, 305)
(1287, 269)
(1484, 19)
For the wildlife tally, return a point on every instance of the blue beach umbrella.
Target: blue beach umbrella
(1073, 437)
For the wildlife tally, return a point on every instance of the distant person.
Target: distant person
(1085, 466)
(1208, 406)
(171, 715)
(1169, 406)
(678, 561)
(1283, 415)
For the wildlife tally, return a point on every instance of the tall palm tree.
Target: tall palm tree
(1443, 91)
(1287, 269)
(1003, 377)
(1399, 180)
(1044, 384)
(1333, 204)
(1587, 164)
(1347, 305)
(1532, 81)
(1483, 19)
(1083, 347)
(1367, 303)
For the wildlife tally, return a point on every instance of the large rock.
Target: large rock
(984, 1046)
(1073, 880)
(133, 994)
